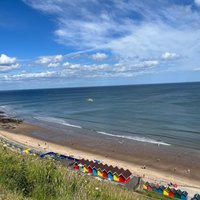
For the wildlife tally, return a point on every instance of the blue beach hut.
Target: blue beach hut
(110, 176)
(184, 195)
(160, 189)
(94, 171)
(196, 197)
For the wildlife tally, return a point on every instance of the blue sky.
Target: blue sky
(60, 43)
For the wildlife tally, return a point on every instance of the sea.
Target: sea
(161, 114)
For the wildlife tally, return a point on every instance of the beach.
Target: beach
(155, 163)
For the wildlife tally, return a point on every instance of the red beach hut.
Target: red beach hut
(172, 192)
(105, 171)
(150, 188)
(90, 167)
(124, 176)
(76, 167)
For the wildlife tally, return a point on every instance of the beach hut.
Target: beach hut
(85, 169)
(27, 151)
(81, 167)
(117, 174)
(166, 191)
(196, 197)
(178, 194)
(184, 195)
(105, 171)
(145, 185)
(110, 175)
(125, 176)
(155, 188)
(94, 169)
(76, 167)
(172, 192)
(111, 172)
(90, 165)
(150, 188)
(99, 170)
(160, 189)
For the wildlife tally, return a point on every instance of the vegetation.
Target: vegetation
(31, 178)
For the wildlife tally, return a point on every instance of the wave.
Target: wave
(140, 139)
(57, 121)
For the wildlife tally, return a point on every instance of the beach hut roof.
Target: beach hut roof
(167, 189)
(173, 190)
(113, 169)
(146, 183)
(120, 171)
(179, 192)
(126, 174)
(197, 196)
(100, 166)
(184, 193)
(162, 187)
(106, 168)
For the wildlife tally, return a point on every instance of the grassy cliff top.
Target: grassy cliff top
(33, 178)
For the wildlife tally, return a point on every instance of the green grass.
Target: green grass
(33, 178)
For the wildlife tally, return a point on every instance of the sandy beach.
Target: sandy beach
(159, 164)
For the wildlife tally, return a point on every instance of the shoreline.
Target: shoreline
(157, 171)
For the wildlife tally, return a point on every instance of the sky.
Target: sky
(62, 43)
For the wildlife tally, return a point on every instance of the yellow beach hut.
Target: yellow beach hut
(85, 169)
(27, 151)
(117, 174)
(100, 170)
(116, 177)
(166, 191)
(85, 166)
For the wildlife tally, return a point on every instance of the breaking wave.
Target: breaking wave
(57, 121)
(140, 139)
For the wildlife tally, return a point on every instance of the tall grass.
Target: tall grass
(32, 178)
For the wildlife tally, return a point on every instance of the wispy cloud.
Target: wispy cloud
(127, 28)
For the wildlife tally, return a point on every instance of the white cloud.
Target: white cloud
(29, 75)
(156, 28)
(197, 2)
(50, 61)
(99, 56)
(169, 56)
(8, 63)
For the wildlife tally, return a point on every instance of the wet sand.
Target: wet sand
(163, 164)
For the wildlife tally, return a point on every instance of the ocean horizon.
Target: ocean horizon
(161, 114)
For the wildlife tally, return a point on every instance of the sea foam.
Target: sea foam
(136, 138)
(57, 121)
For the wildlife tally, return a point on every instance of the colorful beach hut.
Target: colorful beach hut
(100, 170)
(81, 167)
(94, 171)
(161, 189)
(125, 176)
(117, 174)
(155, 188)
(90, 165)
(76, 167)
(166, 191)
(150, 188)
(178, 194)
(172, 193)
(196, 197)
(105, 171)
(145, 185)
(184, 195)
